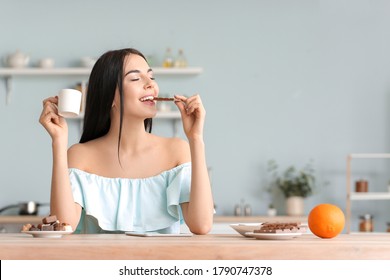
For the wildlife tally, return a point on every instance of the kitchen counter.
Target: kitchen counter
(22, 219)
(363, 246)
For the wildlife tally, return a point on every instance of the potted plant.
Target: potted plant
(294, 184)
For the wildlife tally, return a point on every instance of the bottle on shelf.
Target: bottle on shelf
(247, 210)
(366, 223)
(181, 60)
(168, 59)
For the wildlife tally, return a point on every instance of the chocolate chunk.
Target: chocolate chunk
(47, 227)
(33, 228)
(50, 219)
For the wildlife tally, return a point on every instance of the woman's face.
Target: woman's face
(138, 85)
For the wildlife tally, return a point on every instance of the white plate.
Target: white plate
(243, 228)
(47, 234)
(273, 236)
(155, 234)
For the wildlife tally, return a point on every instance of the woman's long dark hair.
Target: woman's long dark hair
(106, 76)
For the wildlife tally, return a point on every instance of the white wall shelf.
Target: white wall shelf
(9, 73)
(370, 196)
(361, 196)
(174, 116)
(160, 115)
(169, 115)
(30, 71)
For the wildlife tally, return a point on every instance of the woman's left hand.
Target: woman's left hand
(192, 114)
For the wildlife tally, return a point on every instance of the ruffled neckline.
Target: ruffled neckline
(163, 173)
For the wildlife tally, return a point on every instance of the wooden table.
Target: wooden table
(206, 247)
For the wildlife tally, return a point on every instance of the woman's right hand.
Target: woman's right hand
(55, 125)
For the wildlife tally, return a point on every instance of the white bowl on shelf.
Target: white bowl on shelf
(87, 61)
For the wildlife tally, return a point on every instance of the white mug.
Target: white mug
(46, 63)
(69, 103)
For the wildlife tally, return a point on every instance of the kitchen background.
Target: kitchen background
(285, 80)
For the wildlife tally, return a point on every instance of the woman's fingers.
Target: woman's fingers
(191, 104)
(50, 111)
(52, 99)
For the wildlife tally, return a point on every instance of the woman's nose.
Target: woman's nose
(149, 83)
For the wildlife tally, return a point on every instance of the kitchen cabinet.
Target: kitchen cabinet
(8, 73)
(13, 224)
(362, 196)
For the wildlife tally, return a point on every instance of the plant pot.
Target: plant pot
(295, 206)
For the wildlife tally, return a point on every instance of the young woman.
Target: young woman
(120, 177)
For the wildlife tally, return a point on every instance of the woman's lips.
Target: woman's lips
(148, 100)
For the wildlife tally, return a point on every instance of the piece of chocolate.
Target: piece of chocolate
(34, 228)
(56, 225)
(47, 227)
(49, 219)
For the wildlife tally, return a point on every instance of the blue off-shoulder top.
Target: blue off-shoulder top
(112, 205)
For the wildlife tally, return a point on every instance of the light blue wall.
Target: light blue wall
(284, 80)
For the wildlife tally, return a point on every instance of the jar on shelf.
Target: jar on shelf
(237, 210)
(247, 210)
(366, 223)
(361, 186)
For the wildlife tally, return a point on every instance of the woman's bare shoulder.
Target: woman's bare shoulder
(78, 155)
(179, 149)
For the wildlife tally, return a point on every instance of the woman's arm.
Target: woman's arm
(198, 212)
(61, 198)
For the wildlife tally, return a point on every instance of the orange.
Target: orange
(326, 220)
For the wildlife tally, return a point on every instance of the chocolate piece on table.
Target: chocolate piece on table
(56, 225)
(279, 228)
(50, 219)
(33, 228)
(47, 227)
(59, 227)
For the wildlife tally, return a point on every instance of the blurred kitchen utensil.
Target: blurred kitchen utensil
(25, 208)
